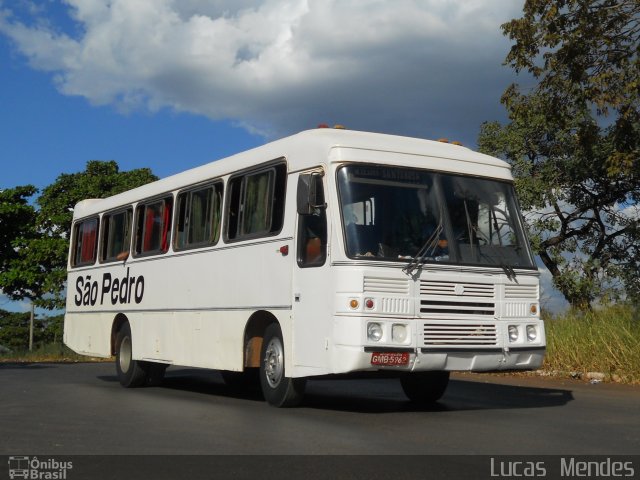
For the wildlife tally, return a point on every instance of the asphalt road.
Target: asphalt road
(70, 409)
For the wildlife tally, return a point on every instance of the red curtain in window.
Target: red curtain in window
(88, 248)
(166, 218)
(149, 215)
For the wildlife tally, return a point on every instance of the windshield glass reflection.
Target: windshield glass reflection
(405, 214)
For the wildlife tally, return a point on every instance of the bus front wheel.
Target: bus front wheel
(278, 389)
(424, 387)
(131, 373)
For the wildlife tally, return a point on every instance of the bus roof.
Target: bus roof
(302, 151)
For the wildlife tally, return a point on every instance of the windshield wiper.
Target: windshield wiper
(427, 248)
(508, 271)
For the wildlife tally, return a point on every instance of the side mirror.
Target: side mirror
(310, 195)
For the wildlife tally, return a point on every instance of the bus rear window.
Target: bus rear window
(153, 221)
(85, 242)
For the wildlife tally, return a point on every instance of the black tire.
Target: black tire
(131, 373)
(424, 387)
(278, 389)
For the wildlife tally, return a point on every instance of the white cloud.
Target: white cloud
(425, 67)
(629, 211)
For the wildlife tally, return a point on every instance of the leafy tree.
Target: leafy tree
(17, 218)
(574, 141)
(52, 329)
(17, 230)
(14, 330)
(101, 179)
(37, 268)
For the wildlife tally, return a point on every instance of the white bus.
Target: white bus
(327, 252)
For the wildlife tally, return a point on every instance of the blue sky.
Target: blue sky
(172, 84)
(44, 133)
(83, 80)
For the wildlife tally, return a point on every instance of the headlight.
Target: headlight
(532, 333)
(399, 333)
(374, 331)
(513, 333)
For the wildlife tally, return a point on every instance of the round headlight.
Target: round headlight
(374, 332)
(513, 333)
(399, 332)
(532, 333)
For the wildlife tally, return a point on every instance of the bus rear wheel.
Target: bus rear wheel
(278, 389)
(131, 373)
(424, 387)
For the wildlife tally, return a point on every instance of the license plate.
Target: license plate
(389, 358)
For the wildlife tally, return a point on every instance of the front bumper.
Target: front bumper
(351, 359)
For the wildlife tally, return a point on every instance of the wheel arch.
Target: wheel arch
(119, 320)
(254, 335)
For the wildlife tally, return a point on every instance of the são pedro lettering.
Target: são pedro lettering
(116, 290)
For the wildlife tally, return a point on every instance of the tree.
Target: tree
(36, 269)
(14, 330)
(101, 179)
(17, 218)
(574, 141)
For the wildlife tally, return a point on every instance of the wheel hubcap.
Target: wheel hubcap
(125, 354)
(274, 362)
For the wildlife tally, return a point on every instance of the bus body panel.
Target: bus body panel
(192, 307)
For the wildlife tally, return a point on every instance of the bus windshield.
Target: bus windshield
(403, 214)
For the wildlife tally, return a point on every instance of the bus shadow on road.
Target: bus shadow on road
(202, 381)
(376, 395)
(385, 396)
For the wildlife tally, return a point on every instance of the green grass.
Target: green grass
(606, 340)
(52, 352)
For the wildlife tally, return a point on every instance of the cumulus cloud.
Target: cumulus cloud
(423, 67)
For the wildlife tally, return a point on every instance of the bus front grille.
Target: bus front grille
(459, 334)
(448, 298)
(439, 307)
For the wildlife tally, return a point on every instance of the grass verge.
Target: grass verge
(53, 352)
(606, 340)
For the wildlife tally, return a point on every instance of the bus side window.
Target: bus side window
(312, 232)
(198, 222)
(116, 236)
(256, 203)
(85, 238)
(153, 221)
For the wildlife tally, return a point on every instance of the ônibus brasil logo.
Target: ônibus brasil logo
(38, 469)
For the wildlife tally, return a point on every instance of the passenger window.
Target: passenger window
(153, 222)
(199, 216)
(256, 203)
(116, 236)
(85, 239)
(312, 232)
